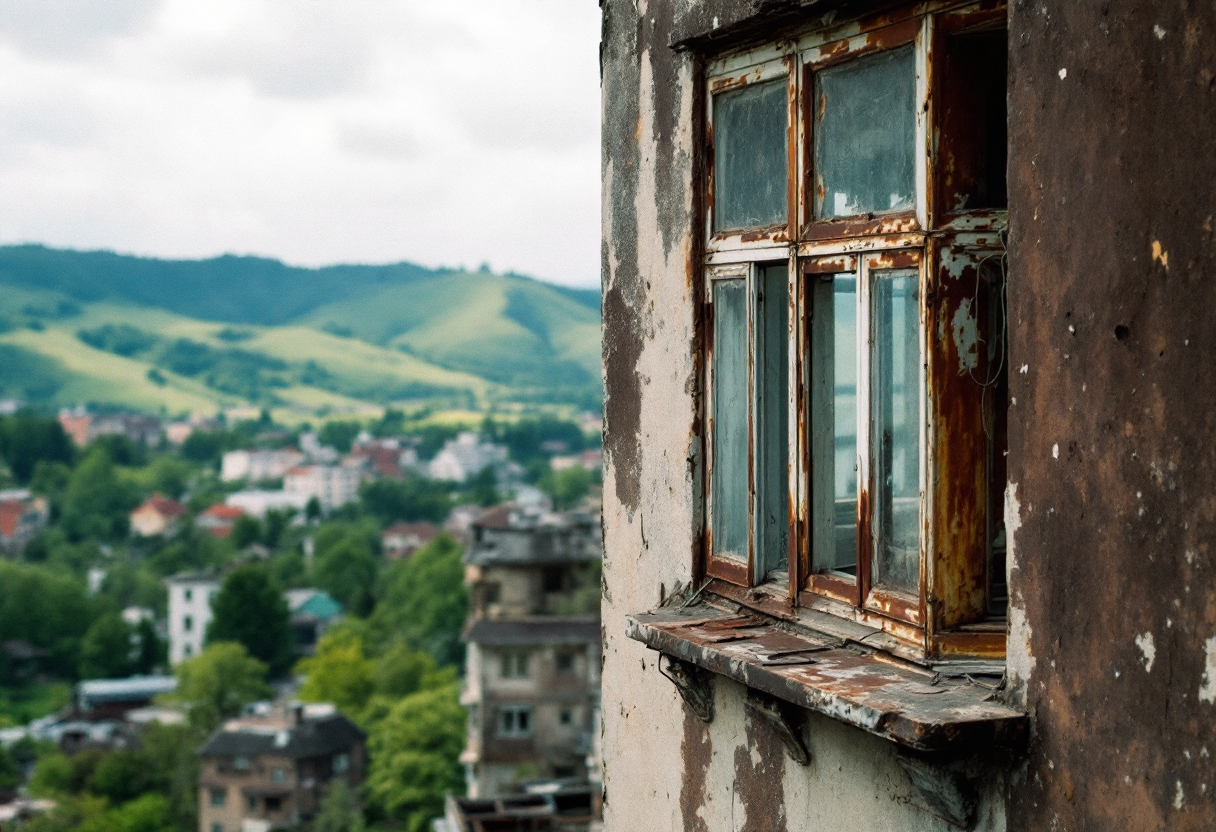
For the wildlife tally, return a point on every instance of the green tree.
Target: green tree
(151, 651)
(340, 811)
(169, 751)
(414, 753)
(26, 440)
(217, 683)
(245, 531)
(105, 652)
(250, 609)
(96, 502)
(47, 609)
(121, 776)
(347, 570)
(10, 773)
(413, 500)
(339, 672)
(147, 813)
(568, 487)
(339, 434)
(426, 601)
(482, 487)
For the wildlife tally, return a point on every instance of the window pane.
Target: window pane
(729, 488)
(772, 478)
(751, 157)
(896, 432)
(834, 422)
(864, 135)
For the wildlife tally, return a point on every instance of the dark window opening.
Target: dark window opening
(974, 122)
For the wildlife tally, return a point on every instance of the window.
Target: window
(252, 803)
(274, 804)
(241, 763)
(189, 595)
(854, 329)
(278, 774)
(515, 664)
(188, 623)
(565, 716)
(515, 721)
(217, 827)
(217, 798)
(341, 763)
(187, 650)
(565, 661)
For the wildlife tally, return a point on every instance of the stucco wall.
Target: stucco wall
(1112, 283)
(664, 769)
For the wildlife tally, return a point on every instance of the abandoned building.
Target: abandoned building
(272, 770)
(532, 666)
(909, 495)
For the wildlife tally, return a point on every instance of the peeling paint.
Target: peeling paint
(966, 338)
(1147, 650)
(1207, 688)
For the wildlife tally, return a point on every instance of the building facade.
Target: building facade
(533, 655)
(258, 773)
(908, 470)
(190, 597)
(331, 485)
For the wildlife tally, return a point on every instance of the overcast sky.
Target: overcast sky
(447, 132)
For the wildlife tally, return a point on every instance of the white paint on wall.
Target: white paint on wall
(1147, 649)
(1207, 688)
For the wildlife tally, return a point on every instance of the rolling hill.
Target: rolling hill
(98, 327)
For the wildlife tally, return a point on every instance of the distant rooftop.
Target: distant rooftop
(283, 736)
(546, 629)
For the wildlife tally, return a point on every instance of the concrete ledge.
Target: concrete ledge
(915, 708)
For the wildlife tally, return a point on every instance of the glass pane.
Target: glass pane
(729, 486)
(864, 133)
(772, 478)
(834, 423)
(751, 157)
(896, 432)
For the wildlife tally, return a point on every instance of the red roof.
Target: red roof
(423, 530)
(10, 515)
(222, 511)
(163, 506)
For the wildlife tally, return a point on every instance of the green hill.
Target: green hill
(200, 335)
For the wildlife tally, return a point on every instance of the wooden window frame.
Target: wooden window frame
(945, 617)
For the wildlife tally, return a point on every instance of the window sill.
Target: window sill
(916, 709)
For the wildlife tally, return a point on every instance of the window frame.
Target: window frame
(942, 618)
(516, 732)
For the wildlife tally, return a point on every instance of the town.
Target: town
(227, 623)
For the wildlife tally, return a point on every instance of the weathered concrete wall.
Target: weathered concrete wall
(1111, 292)
(664, 769)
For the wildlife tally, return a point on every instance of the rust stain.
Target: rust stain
(696, 751)
(759, 785)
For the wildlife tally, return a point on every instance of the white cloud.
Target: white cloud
(317, 131)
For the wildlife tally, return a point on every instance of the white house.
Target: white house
(256, 502)
(190, 597)
(256, 466)
(464, 456)
(332, 485)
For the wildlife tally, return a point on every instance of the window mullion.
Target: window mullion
(865, 490)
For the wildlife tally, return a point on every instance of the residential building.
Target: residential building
(400, 540)
(76, 423)
(190, 597)
(315, 452)
(256, 502)
(465, 456)
(22, 516)
(908, 438)
(332, 485)
(263, 772)
(312, 613)
(219, 519)
(83, 427)
(157, 516)
(591, 459)
(554, 806)
(533, 656)
(258, 465)
(460, 520)
(98, 700)
(383, 457)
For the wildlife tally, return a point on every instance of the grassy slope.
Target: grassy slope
(505, 328)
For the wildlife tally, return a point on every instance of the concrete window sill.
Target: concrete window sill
(912, 707)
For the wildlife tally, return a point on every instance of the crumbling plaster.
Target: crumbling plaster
(664, 769)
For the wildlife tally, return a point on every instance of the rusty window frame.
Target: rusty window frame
(941, 619)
